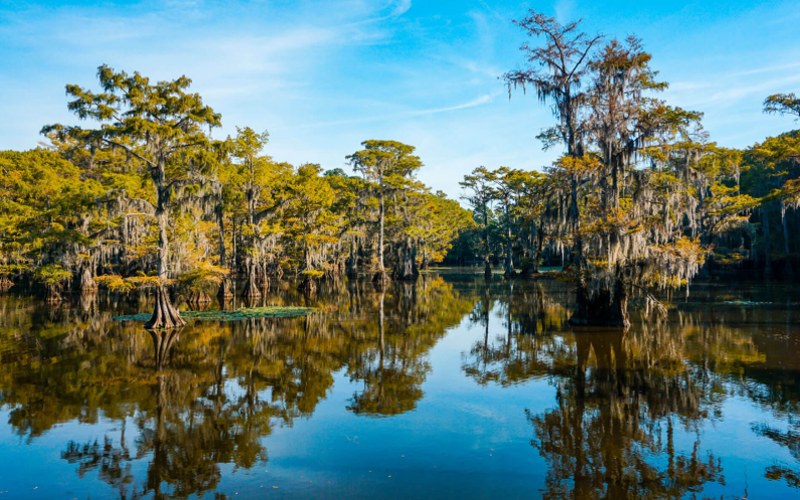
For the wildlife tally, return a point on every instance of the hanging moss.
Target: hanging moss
(235, 315)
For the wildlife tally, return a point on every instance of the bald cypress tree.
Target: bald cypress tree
(156, 124)
(558, 70)
(390, 167)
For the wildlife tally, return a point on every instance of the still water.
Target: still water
(452, 387)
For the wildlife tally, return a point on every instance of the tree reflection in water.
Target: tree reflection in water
(390, 364)
(526, 347)
(188, 426)
(612, 432)
(207, 395)
(622, 397)
(628, 418)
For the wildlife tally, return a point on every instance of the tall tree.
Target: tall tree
(390, 166)
(156, 124)
(254, 176)
(480, 196)
(624, 120)
(506, 191)
(557, 72)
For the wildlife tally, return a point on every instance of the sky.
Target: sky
(323, 76)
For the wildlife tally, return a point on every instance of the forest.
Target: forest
(142, 198)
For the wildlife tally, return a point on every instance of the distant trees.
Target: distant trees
(639, 202)
(771, 172)
(640, 198)
(479, 194)
(146, 201)
(254, 176)
(46, 215)
(389, 167)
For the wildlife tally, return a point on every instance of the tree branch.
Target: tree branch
(129, 151)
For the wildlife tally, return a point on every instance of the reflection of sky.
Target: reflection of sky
(35, 469)
(323, 76)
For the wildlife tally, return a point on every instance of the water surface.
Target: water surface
(452, 387)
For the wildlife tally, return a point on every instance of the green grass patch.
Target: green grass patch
(234, 315)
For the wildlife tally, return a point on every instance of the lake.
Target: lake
(452, 387)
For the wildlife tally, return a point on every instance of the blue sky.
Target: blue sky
(321, 76)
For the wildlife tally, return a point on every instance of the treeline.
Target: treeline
(148, 198)
(749, 213)
(641, 200)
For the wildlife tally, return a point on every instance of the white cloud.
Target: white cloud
(400, 8)
(478, 101)
(565, 11)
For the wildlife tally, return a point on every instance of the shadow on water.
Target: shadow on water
(628, 419)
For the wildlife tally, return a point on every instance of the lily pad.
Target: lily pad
(234, 315)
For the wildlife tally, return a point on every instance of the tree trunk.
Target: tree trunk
(529, 264)
(225, 286)
(509, 263)
(487, 266)
(198, 298)
(606, 308)
(767, 242)
(537, 254)
(87, 280)
(165, 315)
(581, 316)
(265, 277)
(381, 274)
(408, 265)
(223, 260)
(225, 291)
(251, 289)
(788, 267)
(352, 263)
(235, 260)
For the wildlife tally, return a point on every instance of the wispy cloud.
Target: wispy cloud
(401, 7)
(478, 101)
(760, 88)
(473, 103)
(767, 69)
(730, 89)
(564, 11)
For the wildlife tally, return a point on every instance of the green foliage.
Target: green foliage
(784, 104)
(117, 283)
(52, 275)
(206, 278)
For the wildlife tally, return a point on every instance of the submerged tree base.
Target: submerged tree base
(165, 315)
(603, 309)
(198, 298)
(235, 315)
(225, 291)
(380, 279)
